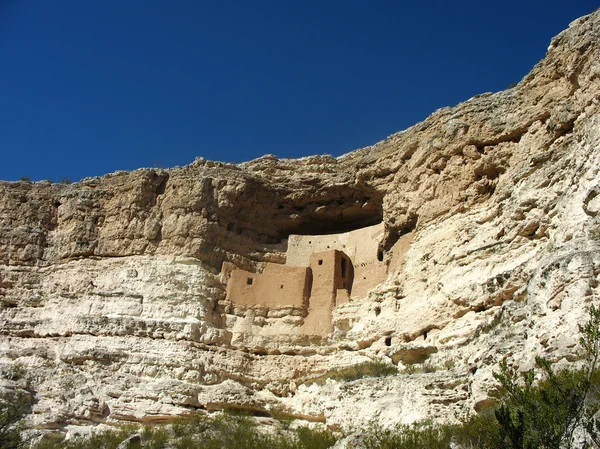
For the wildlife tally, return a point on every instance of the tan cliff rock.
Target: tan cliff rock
(113, 290)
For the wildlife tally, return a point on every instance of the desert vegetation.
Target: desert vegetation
(374, 368)
(203, 432)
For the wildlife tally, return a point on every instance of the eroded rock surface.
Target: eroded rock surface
(113, 298)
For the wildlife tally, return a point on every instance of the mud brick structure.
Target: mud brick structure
(321, 272)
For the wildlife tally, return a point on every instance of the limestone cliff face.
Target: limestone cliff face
(113, 298)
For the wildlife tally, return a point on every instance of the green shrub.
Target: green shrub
(417, 368)
(10, 415)
(155, 437)
(407, 437)
(306, 438)
(543, 415)
(202, 432)
(375, 368)
(15, 372)
(109, 439)
(478, 432)
(546, 414)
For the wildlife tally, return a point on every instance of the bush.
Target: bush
(203, 432)
(10, 415)
(306, 438)
(241, 432)
(479, 432)
(543, 415)
(104, 440)
(407, 437)
(546, 415)
(155, 437)
(376, 368)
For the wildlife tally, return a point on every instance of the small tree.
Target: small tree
(547, 414)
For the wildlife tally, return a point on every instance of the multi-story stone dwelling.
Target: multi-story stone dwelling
(320, 273)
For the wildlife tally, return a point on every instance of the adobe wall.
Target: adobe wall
(318, 321)
(368, 276)
(332, 271)
(361, 245)
(332, 275)
(277, 286)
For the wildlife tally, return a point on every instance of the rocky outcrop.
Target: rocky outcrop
(113, 300)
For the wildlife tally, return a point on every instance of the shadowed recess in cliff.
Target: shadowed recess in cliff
(334, 209)
(401, 227)
(275, 213)
(351, 211)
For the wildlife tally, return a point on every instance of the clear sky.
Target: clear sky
(88, 87)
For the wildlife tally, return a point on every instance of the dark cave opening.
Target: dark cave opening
(270, 214)
(334, 217)
(346, 221)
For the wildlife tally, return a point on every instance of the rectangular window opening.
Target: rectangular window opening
(249, 281)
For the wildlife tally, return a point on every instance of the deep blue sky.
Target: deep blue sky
(88, 87)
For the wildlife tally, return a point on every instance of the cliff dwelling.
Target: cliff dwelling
(320, 273)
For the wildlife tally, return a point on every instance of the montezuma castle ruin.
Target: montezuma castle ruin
(320, 273)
